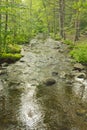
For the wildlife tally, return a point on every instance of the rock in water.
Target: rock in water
(81, 75)
(49, 81)
(78, 66)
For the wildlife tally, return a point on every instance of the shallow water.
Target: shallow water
(28, 104)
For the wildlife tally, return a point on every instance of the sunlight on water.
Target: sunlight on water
(30, 112)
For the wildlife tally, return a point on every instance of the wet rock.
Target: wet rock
(69, 75)
(81, 112)
(73, 73)
(58, 47)
(63, 75)
(69, 82)
(1, 86)
(81, 75)
(78, 66)
(2, 72)
(49, 82)
(33, 41)
(13, 83)
(54, 73)
(5, 64)
(61, 51)
(22, 60)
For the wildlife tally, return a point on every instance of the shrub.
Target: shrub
(68, 42)
(79, 53)
(55, 36)
(13, 48)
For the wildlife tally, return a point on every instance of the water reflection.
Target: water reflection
(61, 108)
(51, 100)
(10, 103)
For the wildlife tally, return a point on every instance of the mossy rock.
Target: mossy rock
(9, 58)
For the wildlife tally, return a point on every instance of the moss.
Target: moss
(8, 57)
(13, 48)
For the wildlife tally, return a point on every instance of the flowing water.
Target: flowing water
(26, 103)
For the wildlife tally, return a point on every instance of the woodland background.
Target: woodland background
(21, 20)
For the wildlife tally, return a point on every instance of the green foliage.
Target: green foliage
(79, 53)
(68, 42)
(10, 54)
(13, 48)
(55, 36)
(25, 19)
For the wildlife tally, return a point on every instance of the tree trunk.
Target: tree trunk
(14, 21)
(30, 13)
(0, 29)
(77, 27)
(55, 28)
(48, 24)
(6, 26)
(61, 17)
(0, 26)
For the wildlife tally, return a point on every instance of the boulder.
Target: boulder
(49, 82)
(78, 66)
(81, 75)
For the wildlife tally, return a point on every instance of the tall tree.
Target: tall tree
(77, 19)
(62, 17)
(6, 24)
(0, 27)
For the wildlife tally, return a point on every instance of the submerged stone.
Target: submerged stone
(49, 81)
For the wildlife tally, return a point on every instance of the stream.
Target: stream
(43, 90)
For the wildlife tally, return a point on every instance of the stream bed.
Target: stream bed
(43, 90)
